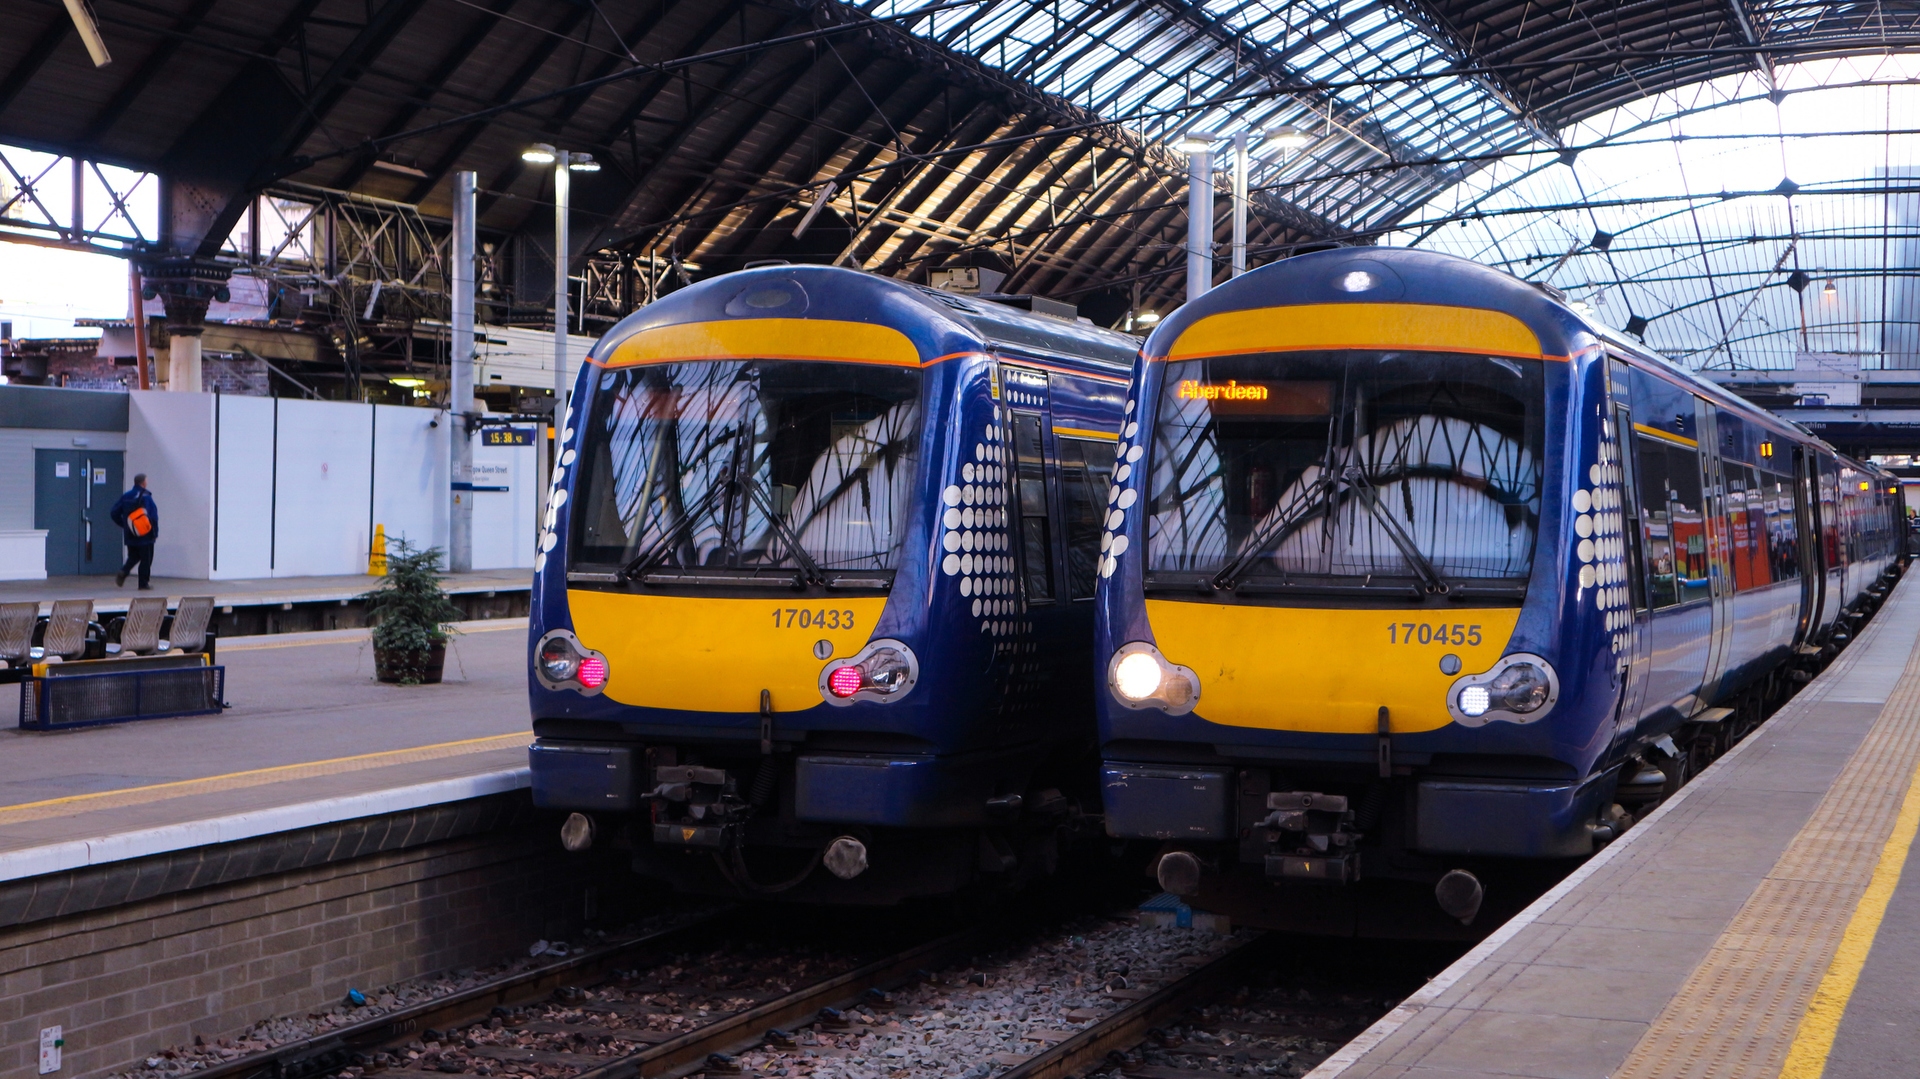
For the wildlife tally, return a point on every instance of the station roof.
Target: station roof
(1033, 135)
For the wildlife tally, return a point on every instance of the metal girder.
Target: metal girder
(58, 27)
(258, 119)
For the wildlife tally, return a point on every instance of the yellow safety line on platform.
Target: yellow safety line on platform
(159, 792)
(1814, 1040)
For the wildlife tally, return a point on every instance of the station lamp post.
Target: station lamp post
(565, 163)
(1198, 146)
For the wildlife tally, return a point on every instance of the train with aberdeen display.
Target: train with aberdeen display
(813, 610)
(1413, 579)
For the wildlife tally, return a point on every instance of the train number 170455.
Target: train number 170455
(1428, 633)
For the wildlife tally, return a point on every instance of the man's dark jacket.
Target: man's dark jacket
(138, 496)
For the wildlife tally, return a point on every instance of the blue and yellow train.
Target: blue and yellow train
(1410, 573)
(813, 612)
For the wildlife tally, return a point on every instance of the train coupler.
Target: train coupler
(1311, 836)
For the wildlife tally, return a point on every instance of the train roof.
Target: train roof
(939, 323)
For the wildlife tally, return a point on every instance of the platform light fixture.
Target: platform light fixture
(539, 154)
(1288, 138)
(1829, 289)
(410, 383)
(1195, 142)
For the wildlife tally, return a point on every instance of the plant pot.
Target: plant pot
(412, 668)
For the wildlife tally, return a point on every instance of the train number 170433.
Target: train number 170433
(802, 618)
(1428, 633)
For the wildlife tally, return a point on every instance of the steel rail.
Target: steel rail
(1128, 1027)
(743, 1030)
(328, 1051)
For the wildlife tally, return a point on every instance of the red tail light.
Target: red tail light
(593, 672)
(844, 681)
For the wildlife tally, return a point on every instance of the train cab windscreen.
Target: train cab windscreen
(748, 467)
(1350, 470)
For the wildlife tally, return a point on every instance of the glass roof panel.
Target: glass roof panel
(1163, 67)
(1677, 213)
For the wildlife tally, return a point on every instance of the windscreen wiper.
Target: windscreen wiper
(800, 555)
(1257, 544)
(644, 560)
(1357, 481)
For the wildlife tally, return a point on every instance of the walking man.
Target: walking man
(139, 519)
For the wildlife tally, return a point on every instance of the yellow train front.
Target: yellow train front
(1414, 579)
(813, 612)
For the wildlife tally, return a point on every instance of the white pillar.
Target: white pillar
(1240, 164)
(1199, 224)
(183, 366)
(460, 393)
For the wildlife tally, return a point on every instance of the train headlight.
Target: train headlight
(1136, 677)
(1519, 689)
(882, 671)
(1140, 677)
(561, 662)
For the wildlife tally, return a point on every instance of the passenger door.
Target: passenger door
(1720, 577)
(1674, 545)
(1636, 660)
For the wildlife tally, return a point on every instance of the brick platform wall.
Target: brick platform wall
(128, 980)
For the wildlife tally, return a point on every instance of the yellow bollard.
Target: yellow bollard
(377, 559)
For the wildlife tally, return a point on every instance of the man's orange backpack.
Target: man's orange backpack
(139, 523)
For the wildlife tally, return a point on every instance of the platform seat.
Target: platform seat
(65, 638)
(139, 631)
(187, 633)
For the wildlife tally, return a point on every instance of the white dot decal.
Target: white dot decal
(968, 517)
(951, 518)
(1583, 525)
(951, 496)
(966, 564)
(1133, 428)
(1128, 498)
(976, 608)
(1586, 576)
(1106, 540)
(951, 541)
(966, 472)
(950, 565)
(1119, 546)
(1582, 501)
(547, 541)
(539, 562)
(1585, 550)
(566, 458)
(1129, 406)
(967, 494)
(966, 586)
(1124, 472)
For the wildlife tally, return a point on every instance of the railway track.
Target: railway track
(1043, 996)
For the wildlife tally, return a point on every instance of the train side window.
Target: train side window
(1783, 543)
(1086, 473)
(1030, 485)
(1650, 459)
(1688, 521)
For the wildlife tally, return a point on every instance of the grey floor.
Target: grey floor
(1570, 988)
(296, 698)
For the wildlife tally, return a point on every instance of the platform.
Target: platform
(1763, 922)
(311, 739)
(246, 592)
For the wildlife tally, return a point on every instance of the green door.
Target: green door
(73, 493)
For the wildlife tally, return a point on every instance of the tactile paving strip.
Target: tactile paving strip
(1738, 1012)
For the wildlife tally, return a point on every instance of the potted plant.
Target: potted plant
(410, 638)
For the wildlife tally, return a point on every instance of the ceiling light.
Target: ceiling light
(408, 381)
(1830, 288)
(539, 153)
(1287, 138)
(1195, 142)
(582, 163)
(1146, 318)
